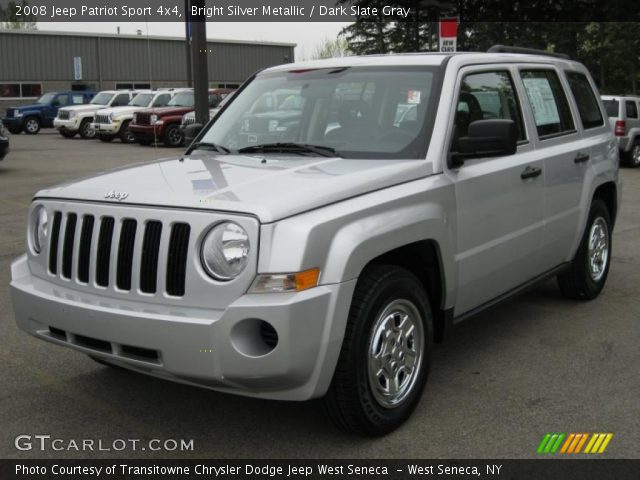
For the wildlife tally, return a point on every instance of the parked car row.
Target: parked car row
(142, 116)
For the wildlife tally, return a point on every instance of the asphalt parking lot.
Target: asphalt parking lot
(536, 364)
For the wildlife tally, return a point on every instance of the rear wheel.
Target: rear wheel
(589, 269)
(384, 361)
(31, 125)
(172, 136)
(86, 131)
(634, 155)
(125, 135)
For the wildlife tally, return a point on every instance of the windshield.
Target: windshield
(46, 98)
(612, 107)
(184, 99)
(360, 112)
(103, 98)
(141, 100)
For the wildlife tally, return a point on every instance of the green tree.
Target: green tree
(331, 48)
(10, 21)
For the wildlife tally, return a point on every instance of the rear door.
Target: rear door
(499, 200)
(568, 143)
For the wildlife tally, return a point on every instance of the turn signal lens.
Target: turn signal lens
(286, 282)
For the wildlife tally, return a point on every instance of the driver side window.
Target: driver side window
(486, 96)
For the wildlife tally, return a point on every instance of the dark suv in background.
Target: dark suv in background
(41, 114)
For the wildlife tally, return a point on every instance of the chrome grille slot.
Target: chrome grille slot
(102, 119)
(103, 259)
(63, 114)
(150, 252)
(125, 253)
(67, 248)
(177, 259)
(53, 246)
(84, 254)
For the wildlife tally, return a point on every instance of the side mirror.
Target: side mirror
(486, 138)
(191, 131)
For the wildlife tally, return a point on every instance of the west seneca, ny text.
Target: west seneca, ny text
(252, 470)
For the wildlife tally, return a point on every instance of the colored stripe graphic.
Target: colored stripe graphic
(573, 443)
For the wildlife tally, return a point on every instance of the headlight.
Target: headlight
(72, 114)
(40, 228)
(225, 251)
(17, 114)
(153, 119)
(110, 117)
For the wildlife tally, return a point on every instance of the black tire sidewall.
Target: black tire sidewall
(399, 285)
(83, 126)
(167, 138)
(124, 133)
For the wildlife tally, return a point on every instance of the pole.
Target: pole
(187, 32)
(200, 68)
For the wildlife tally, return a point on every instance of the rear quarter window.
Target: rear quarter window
(585, 98)
(632, 109)
(612, 107)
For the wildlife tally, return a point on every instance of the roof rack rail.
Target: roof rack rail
(528, 51)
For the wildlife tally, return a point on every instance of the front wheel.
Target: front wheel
(589, 269)
(125, 135)
(173, 136)
(31, 125)
(385, 357)
(86, 131)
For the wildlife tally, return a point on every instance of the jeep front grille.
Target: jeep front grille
(72, 246)
(63, 114)
(102, 119)
(142, 118)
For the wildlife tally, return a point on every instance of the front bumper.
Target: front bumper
(72, 125)
(146, 132)
(208, 348)
(106, 128)
(13, 122)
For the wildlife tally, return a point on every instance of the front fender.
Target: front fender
(341, 239)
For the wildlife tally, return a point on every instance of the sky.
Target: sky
(307, 35)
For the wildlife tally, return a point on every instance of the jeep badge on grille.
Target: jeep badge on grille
(115, 195)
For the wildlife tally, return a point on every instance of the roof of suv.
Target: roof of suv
(434, 59)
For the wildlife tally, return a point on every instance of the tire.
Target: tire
(125, 135)
(14, 130)
(581, 281)
(106, 138)
(633, 157)
(172, 136)
(31, 125)
(85, 130)
(358, 399)
(67, 133)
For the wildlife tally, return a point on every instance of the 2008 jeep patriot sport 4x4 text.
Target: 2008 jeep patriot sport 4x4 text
(319, 246)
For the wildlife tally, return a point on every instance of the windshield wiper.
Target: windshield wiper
(291, 147)
(209, 146)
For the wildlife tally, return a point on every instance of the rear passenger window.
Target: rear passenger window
(484, 96)
(78, 99)
(548, 102)
(632, 109)
(588, 107)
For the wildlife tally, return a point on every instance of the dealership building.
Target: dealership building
(36, 62)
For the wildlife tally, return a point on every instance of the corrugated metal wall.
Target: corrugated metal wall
(41, 57)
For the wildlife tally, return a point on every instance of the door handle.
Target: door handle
(530, 172)
(581, 158)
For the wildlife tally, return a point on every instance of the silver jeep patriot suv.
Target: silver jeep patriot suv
(328, 225)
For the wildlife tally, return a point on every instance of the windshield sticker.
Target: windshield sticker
(542, 101)
(413, 97)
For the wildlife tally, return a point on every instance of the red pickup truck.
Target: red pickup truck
(163, 124)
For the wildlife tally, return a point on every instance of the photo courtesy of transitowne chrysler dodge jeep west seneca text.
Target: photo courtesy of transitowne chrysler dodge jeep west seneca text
(332, 222)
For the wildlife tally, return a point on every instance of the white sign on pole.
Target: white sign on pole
(77, 68)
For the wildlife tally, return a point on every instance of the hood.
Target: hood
(83, 108)
(280, 187)
(32, 106)
(122, 110)
(164, 111)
